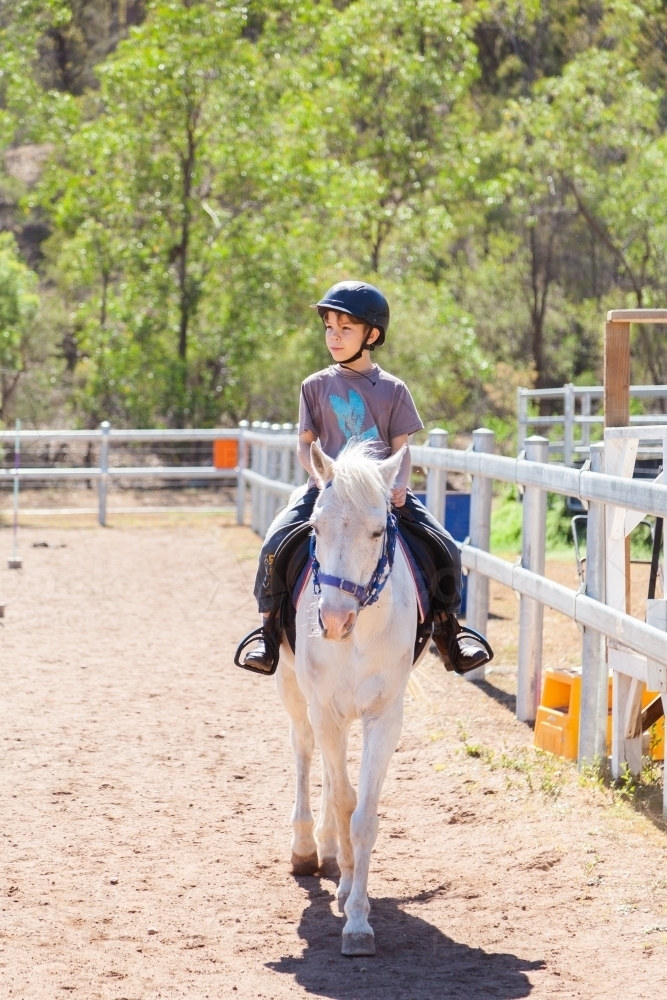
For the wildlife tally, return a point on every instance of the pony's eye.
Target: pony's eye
(378, 534)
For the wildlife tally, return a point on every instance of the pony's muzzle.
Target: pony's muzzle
(336, 623)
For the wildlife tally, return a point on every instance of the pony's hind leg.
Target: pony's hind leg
(326, 831)
(304, 848)
(381, 735)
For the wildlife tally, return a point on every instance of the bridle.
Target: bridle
(364, 595)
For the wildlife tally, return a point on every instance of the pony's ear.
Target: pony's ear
(323, 467)
(390, 466)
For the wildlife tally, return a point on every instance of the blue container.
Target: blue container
(457, 523)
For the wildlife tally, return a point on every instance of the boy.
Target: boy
(355, 398)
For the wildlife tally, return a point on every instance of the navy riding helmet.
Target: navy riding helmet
(358, 298)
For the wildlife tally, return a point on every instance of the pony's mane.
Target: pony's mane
(357, 481)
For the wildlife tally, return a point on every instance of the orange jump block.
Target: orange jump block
(557, 721)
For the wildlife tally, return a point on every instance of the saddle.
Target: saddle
(291, 569)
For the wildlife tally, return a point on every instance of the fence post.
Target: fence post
(285, 461)
(300, 474)
(287, 456)
(568, 429)
(254, 490)
(531, 611)
(105, 427)
(656, 615)
(522, 416)
(480, 532)
(586, 427)
(273, 465)
(240, 481)
(263, 471)
(436, 479)
(616, 374)
(594, 669)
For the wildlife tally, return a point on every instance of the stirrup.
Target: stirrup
(271, 644)
(465, 632)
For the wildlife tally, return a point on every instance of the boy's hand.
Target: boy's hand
(398, 495)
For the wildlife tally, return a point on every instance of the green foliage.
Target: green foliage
(535, 768)
(389, 106)
(506, 523)
(28, 112)
(147, 203)
(497, 167)
(642, 792)
(18, 307)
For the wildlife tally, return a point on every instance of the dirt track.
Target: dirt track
(147, 785)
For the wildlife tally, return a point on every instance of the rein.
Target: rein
(364, 595)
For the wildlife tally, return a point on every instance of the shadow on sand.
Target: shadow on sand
(414, 959)
(503, 698)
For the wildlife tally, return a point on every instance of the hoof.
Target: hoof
(329, 868)
(358, 944)
(304, 866)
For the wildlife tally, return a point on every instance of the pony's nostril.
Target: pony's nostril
(335, 624)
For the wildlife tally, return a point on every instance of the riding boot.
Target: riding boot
(466, 656)
(262, 659)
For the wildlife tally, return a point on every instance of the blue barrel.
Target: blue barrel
(457, 523)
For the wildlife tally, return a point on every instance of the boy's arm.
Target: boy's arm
(400, 489)
(303, 450)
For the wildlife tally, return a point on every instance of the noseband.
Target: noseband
(364, 595)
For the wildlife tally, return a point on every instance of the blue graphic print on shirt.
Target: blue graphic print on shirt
(350, 416)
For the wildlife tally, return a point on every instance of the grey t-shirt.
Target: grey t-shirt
(337, 405)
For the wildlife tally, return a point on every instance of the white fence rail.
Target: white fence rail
(576, 426)
(638, 649)
(105, 437)
(267, 461)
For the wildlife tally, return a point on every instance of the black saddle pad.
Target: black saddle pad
(288, 564)
(432, 558)
(292, 556)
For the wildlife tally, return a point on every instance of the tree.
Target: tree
(18, 307)
(496, 167)
(154, 182)
(552, 176)
(381, 101)
(28, 112)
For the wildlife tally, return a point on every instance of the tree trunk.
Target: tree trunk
(103, 304)
(183, 290)
(541, 278)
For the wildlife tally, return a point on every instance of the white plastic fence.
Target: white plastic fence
(576, 426)
(637, 650)
(106, 437)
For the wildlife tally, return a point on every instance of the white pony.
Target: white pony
(351, 662)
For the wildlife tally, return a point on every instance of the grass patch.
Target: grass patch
(527, 767)
(643, 792)
(507, 518)
(506, 527)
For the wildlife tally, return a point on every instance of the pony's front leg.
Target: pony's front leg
(332, 740)
(381, 735)
(304, 848)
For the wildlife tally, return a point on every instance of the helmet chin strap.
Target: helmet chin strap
(365, 346)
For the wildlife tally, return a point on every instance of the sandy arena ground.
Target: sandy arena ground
(147, 785)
